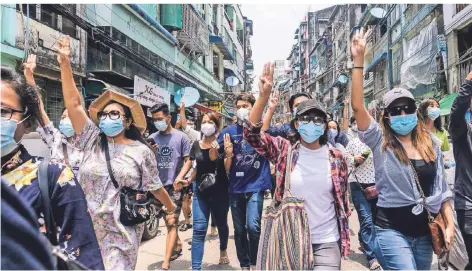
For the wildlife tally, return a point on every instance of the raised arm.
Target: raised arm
(458, 126)
(228, 147)
(273, 102)
(265, 88)
(29, 68)
(357, 94)
(345, 113)
(183, 118)
(77, 113)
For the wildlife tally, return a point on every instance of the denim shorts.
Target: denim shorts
(177, 198)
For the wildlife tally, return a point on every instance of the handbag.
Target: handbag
(285, 240)
(369, 192)
(63, 262)
(208, 179)
(437, 225)
(135, 204)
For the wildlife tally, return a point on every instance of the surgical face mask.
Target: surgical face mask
(208, 129)
(161, 125)
(467, 116)
(8, 129)
(310, 132)
(333, 132)
(433, 113)
(65, 126)
(111, 127)
(354, 128)
(404, 124)
(242, 113)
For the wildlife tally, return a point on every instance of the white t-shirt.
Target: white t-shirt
(311, 180)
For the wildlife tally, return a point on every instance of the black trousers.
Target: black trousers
(464, 219)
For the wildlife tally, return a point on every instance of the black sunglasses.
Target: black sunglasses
(113, 115)
(397, 110)
(305, 119)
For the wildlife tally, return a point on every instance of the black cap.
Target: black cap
(308, 105)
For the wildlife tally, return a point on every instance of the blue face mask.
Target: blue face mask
(433, 113)
(111, 127)
(310, 132)
(333, 132)
(8, 129)
(404, 124)
(65, 126)
(161, 125)
(467, 116)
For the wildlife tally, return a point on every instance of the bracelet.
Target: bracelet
(359, 68)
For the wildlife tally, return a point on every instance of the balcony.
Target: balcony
(460, 7)
(194, 34)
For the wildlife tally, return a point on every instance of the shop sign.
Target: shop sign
(214, 105)
(149, 94)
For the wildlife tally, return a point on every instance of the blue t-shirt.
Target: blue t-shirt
(250, 171)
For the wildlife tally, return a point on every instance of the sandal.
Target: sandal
(185, 227)
(176, 254)
(224, 260)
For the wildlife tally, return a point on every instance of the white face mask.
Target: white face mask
(242, 113)
(354, 127)
(208, 129)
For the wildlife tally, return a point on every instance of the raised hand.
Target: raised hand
(358, 45)
(63, 50)
(469, 76)
(228, 145)
(266, 80)
(215, 145)
(274, 101)
(30, 65)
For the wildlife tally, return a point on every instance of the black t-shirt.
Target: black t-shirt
(205, 165)
(401, 218)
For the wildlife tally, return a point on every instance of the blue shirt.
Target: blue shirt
(250, 172)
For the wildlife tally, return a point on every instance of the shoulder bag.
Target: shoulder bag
(437, 225)
(285, 242)
(208, 179)
(135, 204)
(63, 262)
(369, 192)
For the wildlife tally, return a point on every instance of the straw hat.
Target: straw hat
(137, 113)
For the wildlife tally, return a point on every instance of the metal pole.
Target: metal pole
(244, 54)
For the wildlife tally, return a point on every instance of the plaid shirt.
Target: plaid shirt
(276, 150)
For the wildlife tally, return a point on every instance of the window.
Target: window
(48, 16)
(363, 8)
(68, 27)
(32, 9)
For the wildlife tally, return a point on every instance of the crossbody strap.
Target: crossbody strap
(43, 181)
(430, 217)
(66, 155)
(107, 155)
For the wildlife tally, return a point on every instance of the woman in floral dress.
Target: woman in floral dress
(122, 122)
(59, 141)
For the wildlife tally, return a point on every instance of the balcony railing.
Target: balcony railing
(194, 34)
(465, 67)
(229, 21)
(460, 7)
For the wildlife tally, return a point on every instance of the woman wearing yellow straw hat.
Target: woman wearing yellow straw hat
(116, 123)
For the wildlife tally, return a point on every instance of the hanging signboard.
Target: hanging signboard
(214, 105)
(149, 94)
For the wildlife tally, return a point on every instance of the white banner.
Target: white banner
(148, 94)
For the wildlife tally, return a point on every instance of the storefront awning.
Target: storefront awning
(95, 87)
(219, 42)
(375, 62)
(446, 103)
(206, 109)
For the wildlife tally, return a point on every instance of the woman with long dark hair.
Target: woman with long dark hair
(20, 111)
(317, 173)
(409, 174)
(336, 135)
(431, 115)
(118, 121)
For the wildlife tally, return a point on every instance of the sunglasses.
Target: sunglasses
(113, 115)
(307, 118)
(397, 110)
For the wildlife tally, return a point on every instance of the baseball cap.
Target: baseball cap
(308, 105)
(394, 94)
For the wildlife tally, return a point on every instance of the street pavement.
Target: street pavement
(151, 253)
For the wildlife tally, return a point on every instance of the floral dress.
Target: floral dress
(76, 234)
(56, 142)
(132, 164)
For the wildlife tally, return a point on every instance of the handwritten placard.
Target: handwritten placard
(149, 94)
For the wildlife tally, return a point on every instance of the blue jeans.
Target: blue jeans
(218, 206)
(364, 210)
(401, 252)
(246, 210)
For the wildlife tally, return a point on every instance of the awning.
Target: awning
(446, 103)
(219, 42)
(375, 62)
(95, 87)
(206, 109)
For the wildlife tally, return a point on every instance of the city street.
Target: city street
(152, 252)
